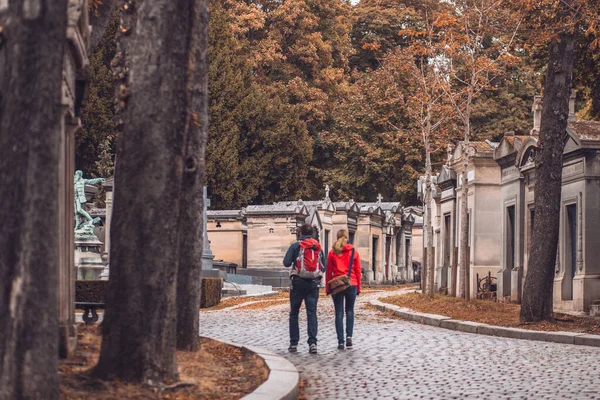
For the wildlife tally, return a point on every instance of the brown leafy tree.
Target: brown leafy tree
(478, 38)
(32, 39)
(159, 173)
(429, 110)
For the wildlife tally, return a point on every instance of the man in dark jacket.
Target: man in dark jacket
(304, 286)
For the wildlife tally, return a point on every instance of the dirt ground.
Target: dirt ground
(217, 371)
(489, 312)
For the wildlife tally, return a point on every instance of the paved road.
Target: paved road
(394, 359)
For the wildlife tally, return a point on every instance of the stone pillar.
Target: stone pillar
(66, 272)
(207, 255)
(108, 189)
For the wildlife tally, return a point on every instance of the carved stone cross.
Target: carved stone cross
(379, 198)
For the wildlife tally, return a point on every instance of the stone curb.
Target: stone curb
(283, 381)
(441, 321)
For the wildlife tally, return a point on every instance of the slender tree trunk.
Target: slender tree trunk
(428, 267)
(537, 292)
(191, 223)
(464, 231)
(429, 224)
(464, 201)
(139, 330)
(31, 56)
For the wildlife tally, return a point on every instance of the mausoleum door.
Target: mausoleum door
(447, 250)
(244, 250)
(571, 256)
(374, 255)
(388, 249)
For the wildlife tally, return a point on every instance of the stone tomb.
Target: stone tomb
(258, 236)
(484, 232)
(577, 280)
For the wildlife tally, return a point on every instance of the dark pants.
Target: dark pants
(307, 290)
(349, 295)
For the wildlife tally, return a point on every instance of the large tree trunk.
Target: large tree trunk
(31, 57)
(139, 330)
(537, 292)
(192, 197)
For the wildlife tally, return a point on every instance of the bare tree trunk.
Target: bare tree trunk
(463, 289)
(31, 57)
(428, 221)
(464, 231)
(464, 201)
(192, 201)
(139, 330)
(537, 292)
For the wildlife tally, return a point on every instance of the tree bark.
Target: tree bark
(464, 201)
(537, 293)
(99, 21)
(428, 222)
(192, 201)
(32, 42)
(464, 288)
(139, 330)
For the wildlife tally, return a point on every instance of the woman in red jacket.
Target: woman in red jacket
(338, 263)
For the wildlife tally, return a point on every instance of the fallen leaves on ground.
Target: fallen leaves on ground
(489, 312)
(217, 371)
(234, 301)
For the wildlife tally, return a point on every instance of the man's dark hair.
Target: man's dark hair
(306, 230)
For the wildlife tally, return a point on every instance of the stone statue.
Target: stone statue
(84, 221)
(449, 151)
(74, 11)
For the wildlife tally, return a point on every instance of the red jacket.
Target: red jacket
(338, 265)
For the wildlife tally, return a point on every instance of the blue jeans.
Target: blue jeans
(338, 301)
(307, 291)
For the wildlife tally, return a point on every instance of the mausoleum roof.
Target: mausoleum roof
(283, 208)
(586, 130)
(370, 208)
(324, 204)
(394, 207)
(224, 213)
(346, 206)
(483, 147)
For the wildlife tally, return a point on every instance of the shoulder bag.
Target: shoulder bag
(341, 282)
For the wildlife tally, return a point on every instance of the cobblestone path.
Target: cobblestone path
(395, 359)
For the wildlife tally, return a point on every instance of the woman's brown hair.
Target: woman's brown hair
(342, 239)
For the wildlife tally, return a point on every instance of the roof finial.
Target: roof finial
(326, 192)
(379, 198)
(572, 116)
(537, 115)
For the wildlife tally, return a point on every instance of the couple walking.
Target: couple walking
(342, 281)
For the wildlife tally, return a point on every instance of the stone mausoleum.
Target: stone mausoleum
(257, 236)
(501, 179)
